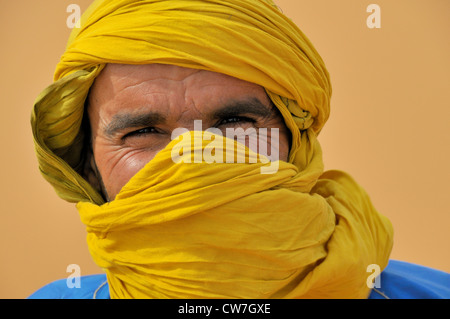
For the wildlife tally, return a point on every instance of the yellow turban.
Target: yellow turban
(228, 232)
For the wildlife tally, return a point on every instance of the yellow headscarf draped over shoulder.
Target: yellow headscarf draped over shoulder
(220, 230)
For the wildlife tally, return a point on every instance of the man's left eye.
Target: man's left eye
(236, 119)
(140, 132)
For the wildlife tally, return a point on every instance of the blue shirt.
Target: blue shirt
(400, 280)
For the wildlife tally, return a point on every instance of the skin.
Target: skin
(133, 110)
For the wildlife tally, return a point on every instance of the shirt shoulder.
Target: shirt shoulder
(403, 280)
(90, 287)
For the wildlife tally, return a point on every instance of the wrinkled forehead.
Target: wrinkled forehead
(116, 78)
(173, 93)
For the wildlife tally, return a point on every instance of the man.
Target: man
(159, 125)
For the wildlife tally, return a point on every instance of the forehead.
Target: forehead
(116, 80)
(173, 92)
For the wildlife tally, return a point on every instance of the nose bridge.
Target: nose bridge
(190, 115)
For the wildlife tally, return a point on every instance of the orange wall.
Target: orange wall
(389, 127)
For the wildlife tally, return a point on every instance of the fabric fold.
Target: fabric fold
(224, 230)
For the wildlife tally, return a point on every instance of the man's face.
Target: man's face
(133, 110)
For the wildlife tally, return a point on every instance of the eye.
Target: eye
(141, 132)
(235, 119)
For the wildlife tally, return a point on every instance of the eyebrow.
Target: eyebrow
(124, 121)
(251, 106)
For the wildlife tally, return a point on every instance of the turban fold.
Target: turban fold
(253, 41)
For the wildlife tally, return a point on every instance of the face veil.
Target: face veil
(317, 244)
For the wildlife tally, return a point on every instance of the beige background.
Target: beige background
(389, 127)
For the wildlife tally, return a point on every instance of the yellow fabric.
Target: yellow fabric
(233, 232)
(224, 230)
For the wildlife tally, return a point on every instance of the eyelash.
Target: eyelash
(238, 118)
(142, 131)
(235, 119)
